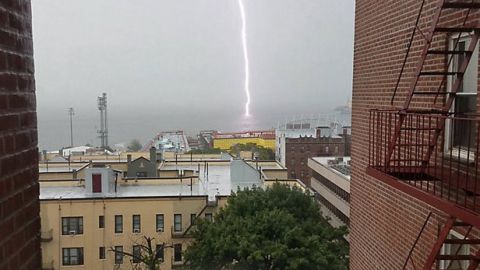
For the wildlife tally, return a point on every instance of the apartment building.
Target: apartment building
(86, 216)
(325, 143)
(330, 180)
(415, 183)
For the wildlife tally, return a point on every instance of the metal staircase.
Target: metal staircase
(457, 77)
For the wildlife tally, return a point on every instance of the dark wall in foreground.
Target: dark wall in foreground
(19, 205)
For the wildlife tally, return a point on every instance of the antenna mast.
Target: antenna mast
(103, 132)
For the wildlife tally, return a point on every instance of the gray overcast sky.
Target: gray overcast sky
(178, 63)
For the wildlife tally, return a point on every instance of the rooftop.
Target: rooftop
(211, 178)
(338, 165)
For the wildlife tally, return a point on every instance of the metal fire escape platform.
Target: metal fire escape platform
(427, 148)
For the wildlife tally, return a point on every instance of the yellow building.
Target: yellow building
(87, 215)
(225, 141)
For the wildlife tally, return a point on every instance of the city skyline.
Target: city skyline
(155, 66)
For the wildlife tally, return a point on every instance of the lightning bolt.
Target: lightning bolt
(245, 57)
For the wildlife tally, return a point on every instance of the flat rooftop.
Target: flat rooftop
(343, 168)
(216, 182)
(163, 190)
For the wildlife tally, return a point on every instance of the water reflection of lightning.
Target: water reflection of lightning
(245, 56)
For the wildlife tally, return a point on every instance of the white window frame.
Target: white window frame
(456, 151)
(447, 250)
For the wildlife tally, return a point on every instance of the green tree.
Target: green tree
(148, 256)
(276, 228)
(205, 151)
(264, 153)
(134, 146)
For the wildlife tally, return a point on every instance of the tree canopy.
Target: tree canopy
(275, 228)
(134, 146)
(205, 151)
(264, 153)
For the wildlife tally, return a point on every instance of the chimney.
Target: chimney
(153, 154)
(129, 159)
(318, 132)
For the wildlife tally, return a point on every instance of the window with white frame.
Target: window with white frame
(454, 249)
(461, 134)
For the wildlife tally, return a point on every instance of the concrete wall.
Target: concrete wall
(19, 206)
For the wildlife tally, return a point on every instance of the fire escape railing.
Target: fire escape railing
(450, 172)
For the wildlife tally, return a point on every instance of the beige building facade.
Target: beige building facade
(84, 218)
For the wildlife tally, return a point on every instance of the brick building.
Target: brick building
(19, 206)
(299, 150)
(415, 183)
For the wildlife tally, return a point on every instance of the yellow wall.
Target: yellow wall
(93, 237)
(226, 143)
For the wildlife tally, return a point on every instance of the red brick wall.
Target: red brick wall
(19, 205)
(384, 221)
(299, 150)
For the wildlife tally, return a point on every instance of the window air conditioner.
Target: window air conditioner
(160, 230)
(136, 230)
(72, 232)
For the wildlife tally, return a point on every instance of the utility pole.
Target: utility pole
(71, 113)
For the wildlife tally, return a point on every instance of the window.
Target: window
(72, 256)
(455, 249)
(177, 252)
(101, 222)
(177, 218)
(118, 254)
(462, 133)
(192, 218)
(137, 254)
(118, 224)
(209, 217)
(72, 225)
(141, 174)
(160, 225)
(101, 253)
(159, 252)
(136, 223)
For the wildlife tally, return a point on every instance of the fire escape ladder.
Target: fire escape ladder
(438, 245)
(409, 257)
(443, 239)
(199, 214)
(456, 77)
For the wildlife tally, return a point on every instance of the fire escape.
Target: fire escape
(429, 147)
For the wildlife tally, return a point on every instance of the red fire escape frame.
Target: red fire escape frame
(420, 130)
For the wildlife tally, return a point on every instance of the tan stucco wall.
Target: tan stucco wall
(94, 237)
